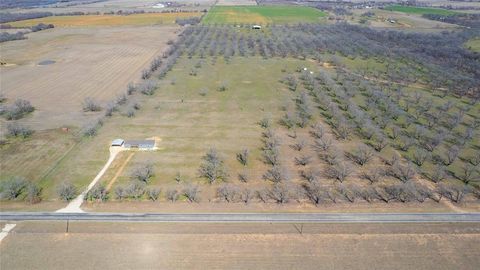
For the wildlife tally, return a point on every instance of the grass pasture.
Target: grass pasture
(473, 45)
(189, 123)
(420, 10)
(108, 20)
(263, 15)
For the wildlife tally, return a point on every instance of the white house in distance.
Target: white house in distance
(134, 144)
(256, 26)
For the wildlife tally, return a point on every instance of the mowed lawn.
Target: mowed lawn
(108, 20)
(263, 14)
(420, 10)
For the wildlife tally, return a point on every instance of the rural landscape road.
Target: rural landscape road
(250, 217)
(74, 205)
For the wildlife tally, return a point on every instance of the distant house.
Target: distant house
(256, 26)
(140, 144)
(118, 142)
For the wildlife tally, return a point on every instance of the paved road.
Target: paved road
(250, 217)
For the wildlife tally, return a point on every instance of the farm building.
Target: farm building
(140, 144)
(118, 142)
(256, 27)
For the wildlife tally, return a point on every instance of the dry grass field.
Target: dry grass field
(236, 3)
(226, 120)
(241, 246)
(403, 21)
(115, 5)
(108, 20)
(96, 62)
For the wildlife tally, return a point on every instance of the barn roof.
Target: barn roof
(144, 143)
(117, 142)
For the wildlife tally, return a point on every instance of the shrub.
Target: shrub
(97, 193)
(66, 191)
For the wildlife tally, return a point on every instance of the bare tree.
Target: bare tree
(120, 193)
(303, 160)
(227, 192)
(172, 195)
(135, 189)
(468, 173)
(66, 191)
(454, 192)
(368, 194)
(143, 172)
(438, 174)
(299, 145)
(242, 157)
(339, 171)
(153, 193)
(13, 187)
(97, 193)
(317, 131)
(279, 193)
(192, 193)
(475, 158)
(265, 122)
(277, 173)
(15, 130)
(420, 156)
(289, 120)
(363, 155)
(403, 173)
(34, 193)
(374, 175)
(310, 175)
(91, 105)
(379, 142)
(315, 192)
(272, 156)
(246, 195)
(451, 155)
(131, 88)
(322, 145)
(350, 193)
(18, 109)
(213, 168)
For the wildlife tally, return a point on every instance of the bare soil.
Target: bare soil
(358, 207)
(95, 62)
(240, 246)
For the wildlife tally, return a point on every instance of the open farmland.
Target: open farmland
(108, 20)
(236, 3)
(336, 128)
(250, 246)
(420, 10)
(96, 62)
(262, 14)
(391, 20)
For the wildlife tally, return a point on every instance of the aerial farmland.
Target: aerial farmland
(116, 111)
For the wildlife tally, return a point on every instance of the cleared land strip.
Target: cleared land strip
(251, 217)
